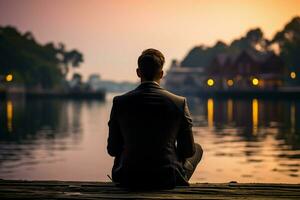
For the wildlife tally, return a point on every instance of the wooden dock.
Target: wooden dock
(100, 190)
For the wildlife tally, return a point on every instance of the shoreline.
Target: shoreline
(100, 95)
(252, 94)
(278, 94)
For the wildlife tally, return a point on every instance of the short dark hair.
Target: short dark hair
(150, 63)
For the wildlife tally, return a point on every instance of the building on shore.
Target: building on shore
(95, 83)
(245, 70)
(184, 80)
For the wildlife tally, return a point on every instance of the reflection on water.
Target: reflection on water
(252, 140)
(53, 139)
(246, 140)
(254, 116)
(9, 114)
(229, 110)
(292, 117)
(210, 113)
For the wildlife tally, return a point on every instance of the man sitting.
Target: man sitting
(150, 132)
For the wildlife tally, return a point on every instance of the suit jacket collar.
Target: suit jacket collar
(149, 84)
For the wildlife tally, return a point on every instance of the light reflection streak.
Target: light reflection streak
(293, 116)
(229, 110)
(210, 112)
(254, 116)
(9, 115)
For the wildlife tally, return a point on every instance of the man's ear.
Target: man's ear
(161, 74)
(138, 72)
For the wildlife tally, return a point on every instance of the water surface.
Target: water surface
(245, 140)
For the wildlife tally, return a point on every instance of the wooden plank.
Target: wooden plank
(19, 189)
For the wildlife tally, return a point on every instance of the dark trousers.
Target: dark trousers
(189, 167)
(191, 163)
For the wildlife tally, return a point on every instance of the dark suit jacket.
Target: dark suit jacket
(150, 134)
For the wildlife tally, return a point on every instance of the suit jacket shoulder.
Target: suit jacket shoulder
(179, 101)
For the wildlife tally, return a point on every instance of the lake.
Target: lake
(244, 140)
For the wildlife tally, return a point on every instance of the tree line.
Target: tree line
(285, 43)
(34, 64)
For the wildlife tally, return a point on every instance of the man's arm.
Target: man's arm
(185, 139)
(115, 138)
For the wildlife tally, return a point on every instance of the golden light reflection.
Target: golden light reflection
(9, 115)
(254, 116)
(293, 117)
(210, 112)
(229, 110)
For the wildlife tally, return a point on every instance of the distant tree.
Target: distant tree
(289, 42)
(77, 77)
(72, 58)
(69, 59)
(32, 63)
(76, 82)
(290, 33)
(201, 56)
(253, 40)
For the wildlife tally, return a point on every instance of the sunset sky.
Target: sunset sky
(112, 33)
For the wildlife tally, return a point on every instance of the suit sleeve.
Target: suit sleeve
(185, 139)
(115, 138)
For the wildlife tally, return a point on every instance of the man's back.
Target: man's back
(150, 132)
(145, 126)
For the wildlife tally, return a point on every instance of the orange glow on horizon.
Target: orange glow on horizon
(111, 34)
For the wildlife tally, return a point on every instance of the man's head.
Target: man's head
(150, 64)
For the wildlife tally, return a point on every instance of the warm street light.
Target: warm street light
(255, 81)
(210, 82)
(230, 82)
(293, 75)
(9, 78)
